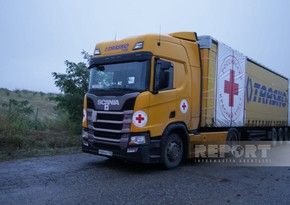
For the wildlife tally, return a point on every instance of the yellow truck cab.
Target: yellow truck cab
(151, 98)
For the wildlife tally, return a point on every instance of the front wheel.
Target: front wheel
(172, 151)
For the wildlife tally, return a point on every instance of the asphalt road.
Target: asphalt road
(89, 179)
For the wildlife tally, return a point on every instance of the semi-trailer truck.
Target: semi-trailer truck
(152, 98)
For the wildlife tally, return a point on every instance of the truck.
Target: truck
(152, 98)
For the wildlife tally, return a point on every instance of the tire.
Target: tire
(232, 136)
(232, 142)
(286, 135)
(172, 151)
(280, 136)
(274, 137)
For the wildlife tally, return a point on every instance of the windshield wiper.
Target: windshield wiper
(125, 89)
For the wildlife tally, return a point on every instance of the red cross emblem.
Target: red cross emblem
(139, 118)
(183, 106)
(231, 88)
(230, 91)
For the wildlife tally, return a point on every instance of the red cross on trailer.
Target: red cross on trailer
(231, 88)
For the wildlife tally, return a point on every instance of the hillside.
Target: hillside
(30, 125)
(40, 102)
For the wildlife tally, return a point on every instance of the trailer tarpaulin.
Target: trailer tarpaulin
(230, 87)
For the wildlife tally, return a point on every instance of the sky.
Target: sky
(37, 36)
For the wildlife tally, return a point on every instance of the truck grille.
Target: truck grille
(110, 121)
(109, 129)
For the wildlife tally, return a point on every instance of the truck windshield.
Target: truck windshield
(126, 76)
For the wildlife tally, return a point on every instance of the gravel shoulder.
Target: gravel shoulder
(88, 179)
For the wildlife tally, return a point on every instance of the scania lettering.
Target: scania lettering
(155, 98)
(108, 102)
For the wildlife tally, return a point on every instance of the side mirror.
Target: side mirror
(161, 75)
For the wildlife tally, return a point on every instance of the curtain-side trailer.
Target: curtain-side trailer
(152, 98)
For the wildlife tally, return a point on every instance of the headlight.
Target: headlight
(85, 135)
(137, 140)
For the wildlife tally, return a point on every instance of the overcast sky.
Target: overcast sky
(37, 36)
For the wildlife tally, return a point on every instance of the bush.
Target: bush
(15, 123)
(74, 85)
(20, 129)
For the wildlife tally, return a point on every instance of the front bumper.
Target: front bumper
(145, 153)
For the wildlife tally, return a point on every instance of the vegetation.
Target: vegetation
(74, 85)
(31, 126)
(37, 123)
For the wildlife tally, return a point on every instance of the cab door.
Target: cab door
(162, 107)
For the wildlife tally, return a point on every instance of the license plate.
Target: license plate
(105, 152)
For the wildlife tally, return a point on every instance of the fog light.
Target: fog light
(85, 143)
(132, 149)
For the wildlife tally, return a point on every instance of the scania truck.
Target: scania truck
(152, 98)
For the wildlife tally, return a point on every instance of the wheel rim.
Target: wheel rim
(173, 151)
(234, 148)
(232, 142)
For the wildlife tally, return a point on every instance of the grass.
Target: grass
(31, 126)
(39, 100)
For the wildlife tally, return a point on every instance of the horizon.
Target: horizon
(38, 36)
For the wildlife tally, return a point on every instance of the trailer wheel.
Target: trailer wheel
(232, 137)
(280, 136)
(172, 151)
(286, 135)
(232, 142)
(274, 137)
